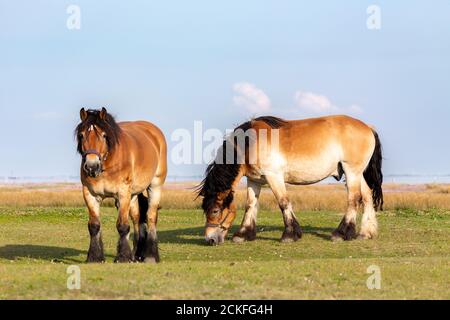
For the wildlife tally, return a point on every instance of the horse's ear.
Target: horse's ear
(83, 114)
(103, 113)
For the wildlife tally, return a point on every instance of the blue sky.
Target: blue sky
(173, 62)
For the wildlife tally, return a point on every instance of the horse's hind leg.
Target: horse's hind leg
(347, 228)
(247, 231)
(151, 253)
(140, 227)
(292, 231)
(134, 215)
(369, 224)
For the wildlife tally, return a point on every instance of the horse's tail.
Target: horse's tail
(374, 176)
(141, 240)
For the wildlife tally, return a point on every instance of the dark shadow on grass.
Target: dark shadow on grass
(192, 236)
(180, 236)
(39, 252)
(189, 235)
(321, 232)
(195, 235)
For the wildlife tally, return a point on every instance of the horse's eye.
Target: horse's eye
(215, 212)
(80, 136)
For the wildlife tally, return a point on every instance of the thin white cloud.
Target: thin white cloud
(312, 102)
(319, 104)
(250, 97)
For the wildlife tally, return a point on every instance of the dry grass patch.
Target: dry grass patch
(182, 196)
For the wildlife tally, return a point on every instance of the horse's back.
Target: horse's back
(311, 149)
(355, 138)
(316, 133)
(149, 146)
(335, 122)
(136, 129)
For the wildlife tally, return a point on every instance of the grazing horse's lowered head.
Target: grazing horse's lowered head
(216, 190)
(221, 178)
(97, 136)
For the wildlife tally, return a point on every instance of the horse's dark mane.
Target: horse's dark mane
(108, 125)
(220, 176)
(273, 122)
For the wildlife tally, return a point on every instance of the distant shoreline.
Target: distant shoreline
(389, 178)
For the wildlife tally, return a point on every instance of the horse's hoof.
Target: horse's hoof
(247, 235)
(150, 260)
(237, 239)
(293, 235)
(95, 260)
(290, 237)
(288, 240)
(123, 260)
(364, 237)
(336, 238)
(345, 231)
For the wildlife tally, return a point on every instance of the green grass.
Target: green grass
(412, 251)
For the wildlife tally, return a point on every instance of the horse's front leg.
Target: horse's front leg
(292, 231)
(124, 253)
(247, 231)
(95, 253)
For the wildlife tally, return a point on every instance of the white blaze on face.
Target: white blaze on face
(92, 159)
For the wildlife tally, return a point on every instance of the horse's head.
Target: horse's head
(217, 190)
(97, 135)
(220, 213)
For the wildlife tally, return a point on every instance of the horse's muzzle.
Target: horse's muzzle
(216, 237)
(92, 168)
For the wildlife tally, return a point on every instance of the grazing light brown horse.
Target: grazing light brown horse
(125, 161)
(300, 152)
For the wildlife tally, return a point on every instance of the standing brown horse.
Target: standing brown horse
(275, 151)
(123, 161)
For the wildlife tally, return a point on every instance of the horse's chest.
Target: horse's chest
(103, 189)
(109, 189)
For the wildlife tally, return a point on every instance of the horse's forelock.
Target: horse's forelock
(219, 178)
(108, 125)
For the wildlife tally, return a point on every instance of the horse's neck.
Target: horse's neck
(238, 177)
(115, 154)
(114, 158)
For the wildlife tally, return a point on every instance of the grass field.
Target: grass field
(37, 244)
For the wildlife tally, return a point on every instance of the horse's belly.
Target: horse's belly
(308, 171)
(141, 184)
